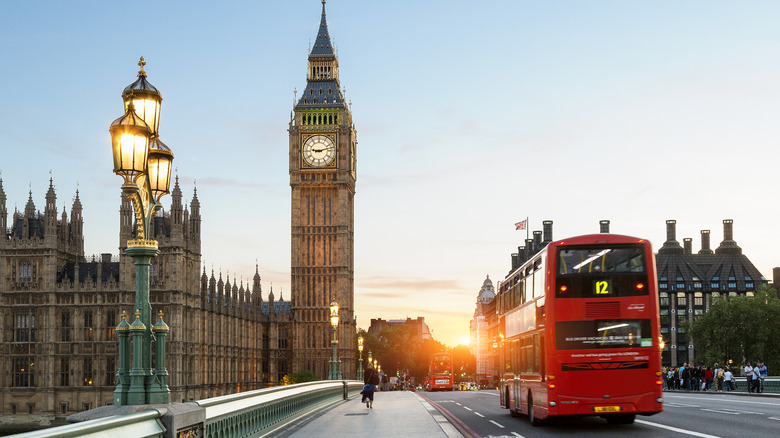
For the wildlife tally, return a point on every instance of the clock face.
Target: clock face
(319, 151)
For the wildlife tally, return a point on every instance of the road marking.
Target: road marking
(774, 418)
(458, 404)
(517, 435)
(479, 414)
(681, 405)
(676, 429)
(466, 407)
(718, 411)
(497, 424)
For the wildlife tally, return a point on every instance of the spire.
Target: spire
(322, 45)
(29, 209)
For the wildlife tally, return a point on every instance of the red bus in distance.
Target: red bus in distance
(580, 331)
(440, 376)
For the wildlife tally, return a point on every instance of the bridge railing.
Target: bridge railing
(260, 412)
(254, 413)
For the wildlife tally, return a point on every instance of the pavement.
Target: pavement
(395, 413)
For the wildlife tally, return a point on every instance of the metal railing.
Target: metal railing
(254, 413)
(144, 424)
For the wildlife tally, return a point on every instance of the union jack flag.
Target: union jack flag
(521, 225)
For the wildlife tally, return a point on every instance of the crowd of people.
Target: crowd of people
(714, 378)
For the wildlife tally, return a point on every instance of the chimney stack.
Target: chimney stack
(604, 227)
(728, 246)
(705, 242)
(671, 245)
(537, 242)
(688, 246)
(547, 227)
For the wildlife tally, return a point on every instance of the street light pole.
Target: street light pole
(335, 364)
(144, 162)
(360, 359)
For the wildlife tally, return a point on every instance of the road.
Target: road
(704, 415)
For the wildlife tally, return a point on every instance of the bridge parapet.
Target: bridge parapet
(254, 413)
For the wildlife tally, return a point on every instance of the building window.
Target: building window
(66, 327)
(154, 272)
(88, 327)
(24, 375)
(664, 299)
(25, 272)
(282, 338)
(681, 301)
(88, 371)
(698, 299)
(24, 327)
(265, 340)
(111, 371)
(64, 372)
(111, 325)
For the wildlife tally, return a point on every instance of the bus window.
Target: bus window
(585, 260)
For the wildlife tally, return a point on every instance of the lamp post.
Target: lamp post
(335, 364)
(144, 163)
(360, 358)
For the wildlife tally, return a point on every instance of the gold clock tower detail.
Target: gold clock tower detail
(322, 179)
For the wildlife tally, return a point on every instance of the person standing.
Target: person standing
(728, 376)
(370, 380)
(762, 375)
(749, 376)
(708, 379)
(756, 379)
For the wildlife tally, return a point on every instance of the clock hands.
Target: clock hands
(322, 150)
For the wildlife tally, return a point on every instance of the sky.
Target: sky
(470, 116)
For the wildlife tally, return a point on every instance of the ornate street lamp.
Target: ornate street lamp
(144, 163)
(360, 358)
(335, 364)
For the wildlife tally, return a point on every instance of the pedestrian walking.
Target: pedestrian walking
(370, 381)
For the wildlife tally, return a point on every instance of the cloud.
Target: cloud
(407, 286)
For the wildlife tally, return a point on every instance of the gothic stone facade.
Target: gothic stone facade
(59, 310)
(322, 180)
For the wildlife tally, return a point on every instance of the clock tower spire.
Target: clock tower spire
(322, 165)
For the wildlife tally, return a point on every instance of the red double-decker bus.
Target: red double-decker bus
(440, 376)
(580, 331)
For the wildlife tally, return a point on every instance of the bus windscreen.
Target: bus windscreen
(599, 260)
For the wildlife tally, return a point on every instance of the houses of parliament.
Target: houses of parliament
(59, 309)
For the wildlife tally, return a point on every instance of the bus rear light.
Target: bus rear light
(551, 377)
(551, 386)
(659, 373)
(640, 286)
(659, 382)
(564, 288)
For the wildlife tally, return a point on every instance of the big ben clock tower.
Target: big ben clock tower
(322, 179)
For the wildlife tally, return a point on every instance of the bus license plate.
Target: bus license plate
(442, 382)
(607, 409)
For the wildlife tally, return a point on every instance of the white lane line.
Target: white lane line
(517, 435)
(479, 414)
(774, 418)
(497, 424)
(676, 429)
(466, 407)
(458, 404)
(681, 405)
(718, 411)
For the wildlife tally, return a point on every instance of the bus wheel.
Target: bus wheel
(621, 419)
(535, 422)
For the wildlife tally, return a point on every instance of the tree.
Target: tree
(463, 362)
(299, 377)
(740, 328)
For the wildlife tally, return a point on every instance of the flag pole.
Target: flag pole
(527, 229)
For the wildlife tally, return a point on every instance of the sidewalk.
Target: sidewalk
(395, 413)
